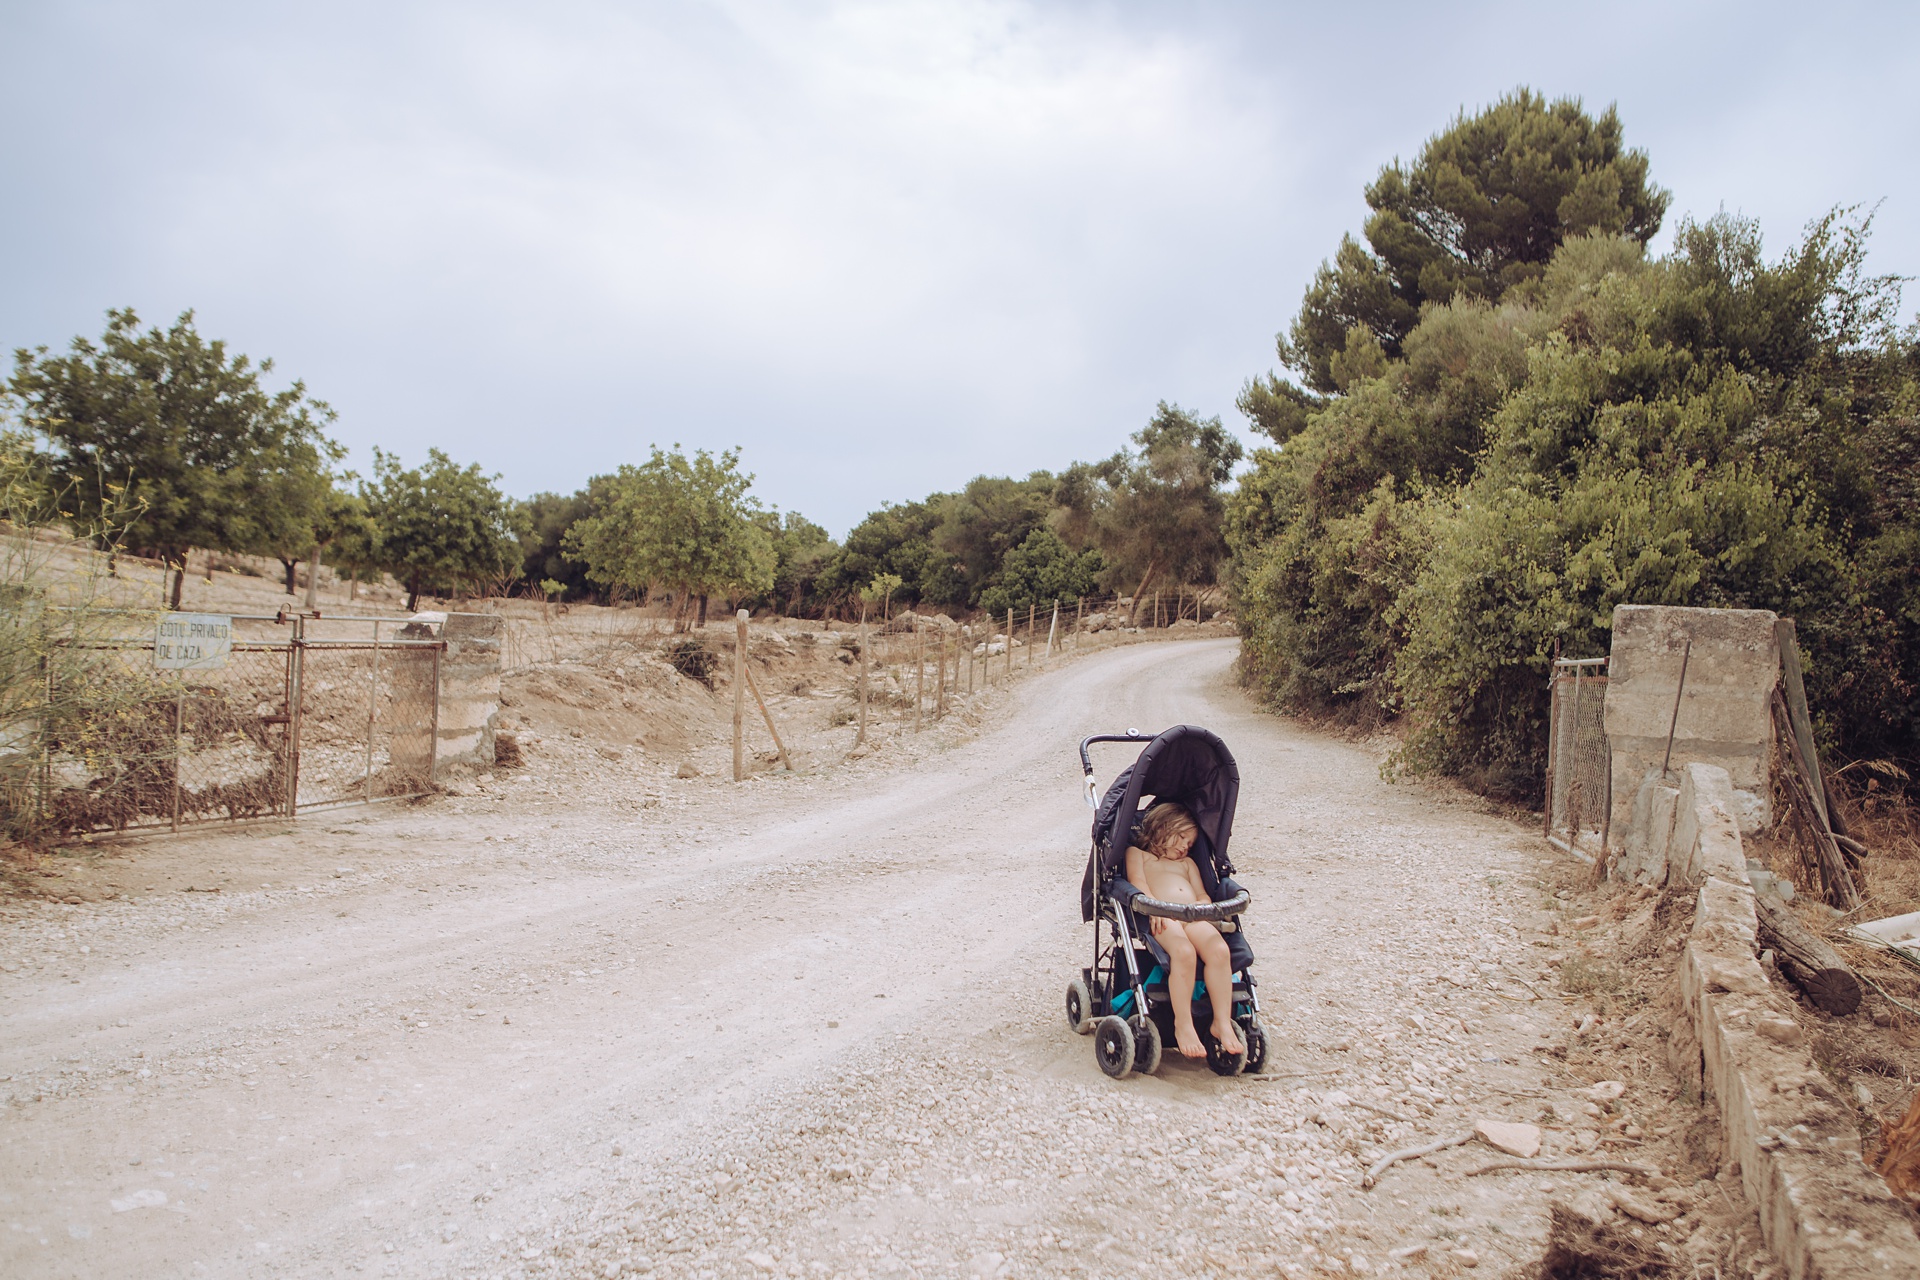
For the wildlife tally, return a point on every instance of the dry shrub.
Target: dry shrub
(1579, 1249)
(120, 724)
(506, 751)
(1877, 804)
(692, 659)
(1584, 975)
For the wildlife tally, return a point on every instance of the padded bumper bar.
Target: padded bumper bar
(1190, 911)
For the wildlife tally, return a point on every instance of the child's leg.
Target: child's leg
(1180, 967)
(1218, 959)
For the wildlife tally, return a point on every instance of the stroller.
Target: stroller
(1122, 1000)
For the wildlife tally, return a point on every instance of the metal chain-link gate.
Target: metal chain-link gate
(1579, 763)
(304, 713)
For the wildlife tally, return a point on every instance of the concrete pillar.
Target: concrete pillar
(469, 688)
(1724, 718)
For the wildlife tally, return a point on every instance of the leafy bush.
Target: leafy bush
(1708, 429)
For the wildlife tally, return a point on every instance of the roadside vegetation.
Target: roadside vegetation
(209, 460)
(1503, 416)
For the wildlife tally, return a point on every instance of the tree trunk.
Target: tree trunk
(313, 577)
(703, 609)
(1133, 614)
(413, 595)
(1815, 967)
(289, 567)
(179, 581)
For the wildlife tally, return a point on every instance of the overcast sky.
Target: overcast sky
(880, 247)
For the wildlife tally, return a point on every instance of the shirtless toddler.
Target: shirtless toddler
(1163, 870)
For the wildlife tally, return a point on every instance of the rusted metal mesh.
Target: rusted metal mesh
(366, 722)
(122, 745)
(118, 733)
(1579, 762)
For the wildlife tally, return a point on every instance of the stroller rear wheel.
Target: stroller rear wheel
(1146, 1044)
(1079, 1007)
(1113, 1047)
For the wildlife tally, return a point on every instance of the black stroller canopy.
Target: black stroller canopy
(1186, 764)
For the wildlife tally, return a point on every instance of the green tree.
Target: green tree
(1480, 211)
(1165, 513)
(802, 554)
(988, 519)
(352, 539)
(543, 550)
(170, 423)
(687, 525)
(1040, 571)
(443, 527)
(899, 539)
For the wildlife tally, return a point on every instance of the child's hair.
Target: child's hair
(1164, 824)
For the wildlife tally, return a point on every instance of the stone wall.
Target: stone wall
(1724, 718)
(1823, 1212)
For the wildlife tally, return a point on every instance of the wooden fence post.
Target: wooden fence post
(919, 672)
(1009, 644)
(861, 738)
(1053, 628)
(779, 747)
(739, 696)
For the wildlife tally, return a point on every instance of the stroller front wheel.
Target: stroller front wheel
(1113, 1047)
(1146, 1044)
(1255, 1034)
(1079, 1007)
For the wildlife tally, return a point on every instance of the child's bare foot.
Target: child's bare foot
(1188, 1041)
(1228, 1035)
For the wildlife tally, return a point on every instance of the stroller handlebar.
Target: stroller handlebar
(1086, 761)
(1191, 911)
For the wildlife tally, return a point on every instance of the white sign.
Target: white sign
(192, 641)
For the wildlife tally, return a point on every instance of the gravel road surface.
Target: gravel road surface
(809, 1026)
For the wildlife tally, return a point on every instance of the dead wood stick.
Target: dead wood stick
(1382, 1111)
(1814, 967)
(767, 715)
(1566, 1166)
(1392, 1158)
(1838, 879)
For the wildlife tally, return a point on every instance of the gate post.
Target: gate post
(296, 669)
(433, 739)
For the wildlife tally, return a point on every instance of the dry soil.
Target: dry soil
(809, 1025)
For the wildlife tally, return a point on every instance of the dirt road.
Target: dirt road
(809, 1026)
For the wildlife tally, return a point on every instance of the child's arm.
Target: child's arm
(1137, 875)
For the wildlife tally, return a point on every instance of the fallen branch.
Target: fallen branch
(1391, 1115)
(1410, 1153)
(1567, 1166)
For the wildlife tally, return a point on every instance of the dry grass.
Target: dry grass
(1578, 1249)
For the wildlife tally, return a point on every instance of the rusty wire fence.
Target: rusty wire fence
(303, 713)
(1579, 764)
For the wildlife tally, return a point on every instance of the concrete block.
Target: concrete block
(1644, 858)
(1705, 839)
(1724, 718)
